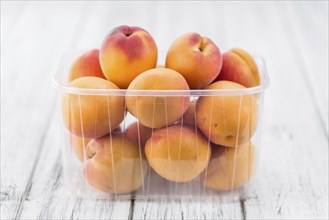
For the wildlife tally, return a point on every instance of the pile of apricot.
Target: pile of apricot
(180, 137)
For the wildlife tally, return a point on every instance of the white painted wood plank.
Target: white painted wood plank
(101, 209)
(311, 38)
(40, 202)
(29, 58)
(214, 208)
(10, 14)
(49, 198)
(293, 177)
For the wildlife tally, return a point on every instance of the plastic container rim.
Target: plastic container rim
(260, 61)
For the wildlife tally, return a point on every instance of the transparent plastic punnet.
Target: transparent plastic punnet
(159, 143)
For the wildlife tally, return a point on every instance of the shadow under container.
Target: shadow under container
(162, 143)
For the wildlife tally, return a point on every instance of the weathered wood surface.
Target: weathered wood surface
(292, 36)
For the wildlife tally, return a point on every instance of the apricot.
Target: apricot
(125, 53)
(86, 65)
(197, 58)
(177, 153)
(114, 164)
(157, 111)
(92, 116)
(79, 145)
(227, 120)
(240, 67)
(229, 168)
(138, 133)
(189, 118)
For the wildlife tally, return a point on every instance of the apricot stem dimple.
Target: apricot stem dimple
(128, 33)
(201, 45)
(91, 153)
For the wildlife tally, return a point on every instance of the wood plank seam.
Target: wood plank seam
(147, 204)
(56, 173)
(131, 209)
(243, 208)
(181, 209)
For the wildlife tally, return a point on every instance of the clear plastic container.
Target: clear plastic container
(179, 159)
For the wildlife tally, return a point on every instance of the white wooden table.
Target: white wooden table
(292, 36)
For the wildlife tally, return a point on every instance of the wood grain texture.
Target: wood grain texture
(294, 154)
(214, 208)
(312, 56)
(292, 181)
(29, 101)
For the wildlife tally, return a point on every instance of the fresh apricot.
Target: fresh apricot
(92, 116)
(227, 120)
(240, 67)
(156, 111)
(138, 133)
(197, 58)
(79, 145)
(178, 153)
(86, 65)
(114, 164)
(125, 53)
(229, 168)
